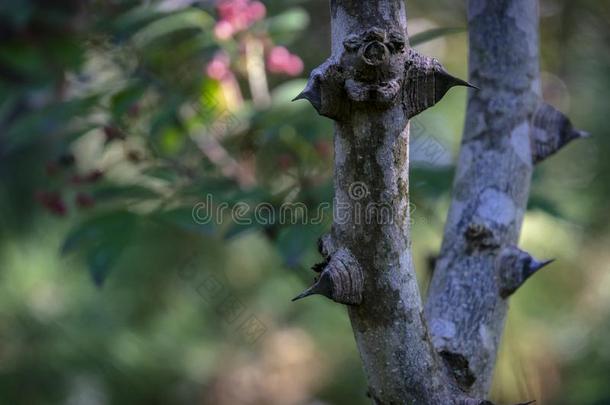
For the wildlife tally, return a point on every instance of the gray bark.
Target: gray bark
(508, 129)
(371, 150)
(372, 84)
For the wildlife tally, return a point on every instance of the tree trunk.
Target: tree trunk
(508, 129)
(370, 86)
(371, 180)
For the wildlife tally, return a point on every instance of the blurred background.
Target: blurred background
(117, 118)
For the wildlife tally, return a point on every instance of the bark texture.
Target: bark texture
(371, 85)
(508, 129)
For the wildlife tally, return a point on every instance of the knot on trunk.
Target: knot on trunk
(458, 364)
(373, 63)
(480, 237)
(375, 71)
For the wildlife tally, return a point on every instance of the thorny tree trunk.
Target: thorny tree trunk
(508, 129)
(370, 86)
(371, 174)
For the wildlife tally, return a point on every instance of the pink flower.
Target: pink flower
(280, 60)
(256, 11)
(294, 67)
(323, 147)
(237, 15)
(223, 30)
(218, 68)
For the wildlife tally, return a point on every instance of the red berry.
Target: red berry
(51, 169)
(134, 110)
(113, 133)
(84, 200)
(76, 179)
(323, 148)
(90, 177)
(52, 202)
(285, 161)
(93, 176)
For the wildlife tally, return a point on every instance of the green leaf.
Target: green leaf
(166, 173)
(295, 241)
(284, 26)
(182, 218)
(108, 192)
(217, 187)
(122, 100)
(100, 260)
(23, 58)
(46, 120)
(128, 22)
(431, 182)
(434, 33)
(539, 202)
(101, 240)
(188, 19)
(236, 230)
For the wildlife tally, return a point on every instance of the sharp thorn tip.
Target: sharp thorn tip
(541, 264)
(304, 294)
(459, 82)
(300, 96)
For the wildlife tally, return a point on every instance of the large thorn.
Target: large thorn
(514, 267)
(322, 286)
(551, 130)
(426, 82)
(311, 93)
(341, 280)
(451, 81)
(314, 92)
(536, 265)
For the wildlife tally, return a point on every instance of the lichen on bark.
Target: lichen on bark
(508, 129)
(370, 86)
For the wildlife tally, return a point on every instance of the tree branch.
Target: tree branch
(508, 129)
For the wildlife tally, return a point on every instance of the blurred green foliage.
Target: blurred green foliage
(114, 125)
